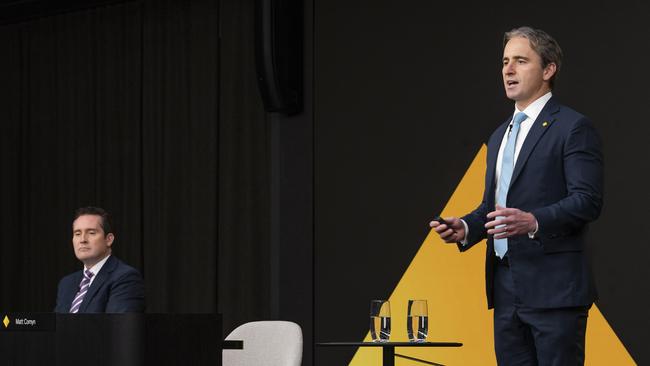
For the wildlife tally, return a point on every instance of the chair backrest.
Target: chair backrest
(268, 343)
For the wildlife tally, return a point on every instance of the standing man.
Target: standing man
(106, 284)
(543, 186)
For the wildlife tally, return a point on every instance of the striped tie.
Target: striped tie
(83, 288)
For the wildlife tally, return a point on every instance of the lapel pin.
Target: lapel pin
(545, 124)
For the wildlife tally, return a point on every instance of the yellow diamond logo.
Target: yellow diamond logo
(5, 321)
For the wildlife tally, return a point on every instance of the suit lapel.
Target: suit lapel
(493, 153)
(103, 274)
(540, 126)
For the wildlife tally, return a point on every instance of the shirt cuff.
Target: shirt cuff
(531, 235)
(464, 241)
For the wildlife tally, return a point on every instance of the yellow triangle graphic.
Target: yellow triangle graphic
(454, 285)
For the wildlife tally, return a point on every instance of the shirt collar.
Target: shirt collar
(98, 266)
(535, 108)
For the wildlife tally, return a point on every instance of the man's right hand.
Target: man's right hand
(452, 233)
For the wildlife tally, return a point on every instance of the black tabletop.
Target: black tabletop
(389, 344)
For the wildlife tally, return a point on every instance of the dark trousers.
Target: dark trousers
(541, 337)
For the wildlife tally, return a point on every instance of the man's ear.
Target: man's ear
(549, 71)
(109, 239)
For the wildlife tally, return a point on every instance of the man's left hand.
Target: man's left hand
(515, 221)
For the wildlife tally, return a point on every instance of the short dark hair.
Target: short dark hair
(105, 223)
(543, 44)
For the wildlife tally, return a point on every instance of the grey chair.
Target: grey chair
(268, 343)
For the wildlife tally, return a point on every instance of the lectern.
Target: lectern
(111, 339)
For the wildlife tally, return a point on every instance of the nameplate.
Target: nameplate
(35, 322)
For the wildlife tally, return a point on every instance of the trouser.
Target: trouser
(529, 336)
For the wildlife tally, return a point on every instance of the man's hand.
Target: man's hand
(510, 222)
(452, 233)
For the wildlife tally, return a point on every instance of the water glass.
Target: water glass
(380, 320)
(417, 321)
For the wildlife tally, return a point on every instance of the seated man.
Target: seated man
(106, 284)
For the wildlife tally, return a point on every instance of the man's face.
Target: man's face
(524, 78)
(90, 243)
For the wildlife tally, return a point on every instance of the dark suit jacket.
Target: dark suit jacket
(117, 288)
(558, 177)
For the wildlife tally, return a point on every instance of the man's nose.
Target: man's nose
(508, 69)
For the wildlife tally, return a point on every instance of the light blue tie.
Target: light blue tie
(507, 167)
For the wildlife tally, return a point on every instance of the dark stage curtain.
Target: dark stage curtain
(149, 109)
(244, 219)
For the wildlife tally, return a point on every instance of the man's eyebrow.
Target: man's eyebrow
(86, 229)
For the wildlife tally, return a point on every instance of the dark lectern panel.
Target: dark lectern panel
(181, 339)
(112, 340)
(94, 339)
(25, 348)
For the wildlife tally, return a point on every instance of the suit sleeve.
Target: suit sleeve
(60, 307)
(476, 226)
(583, 172)
(127, 294)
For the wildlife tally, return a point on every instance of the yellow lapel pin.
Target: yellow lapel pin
(544, 124)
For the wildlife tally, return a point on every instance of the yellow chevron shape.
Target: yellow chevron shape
(453, 283)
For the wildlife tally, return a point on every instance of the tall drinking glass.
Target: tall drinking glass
(417, 321)
(380, 320)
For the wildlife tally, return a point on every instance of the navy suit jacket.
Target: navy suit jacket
(117, 288)
(558, 177)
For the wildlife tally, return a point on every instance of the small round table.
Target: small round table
(389, 348)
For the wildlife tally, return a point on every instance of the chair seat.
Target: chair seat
(268, 343)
